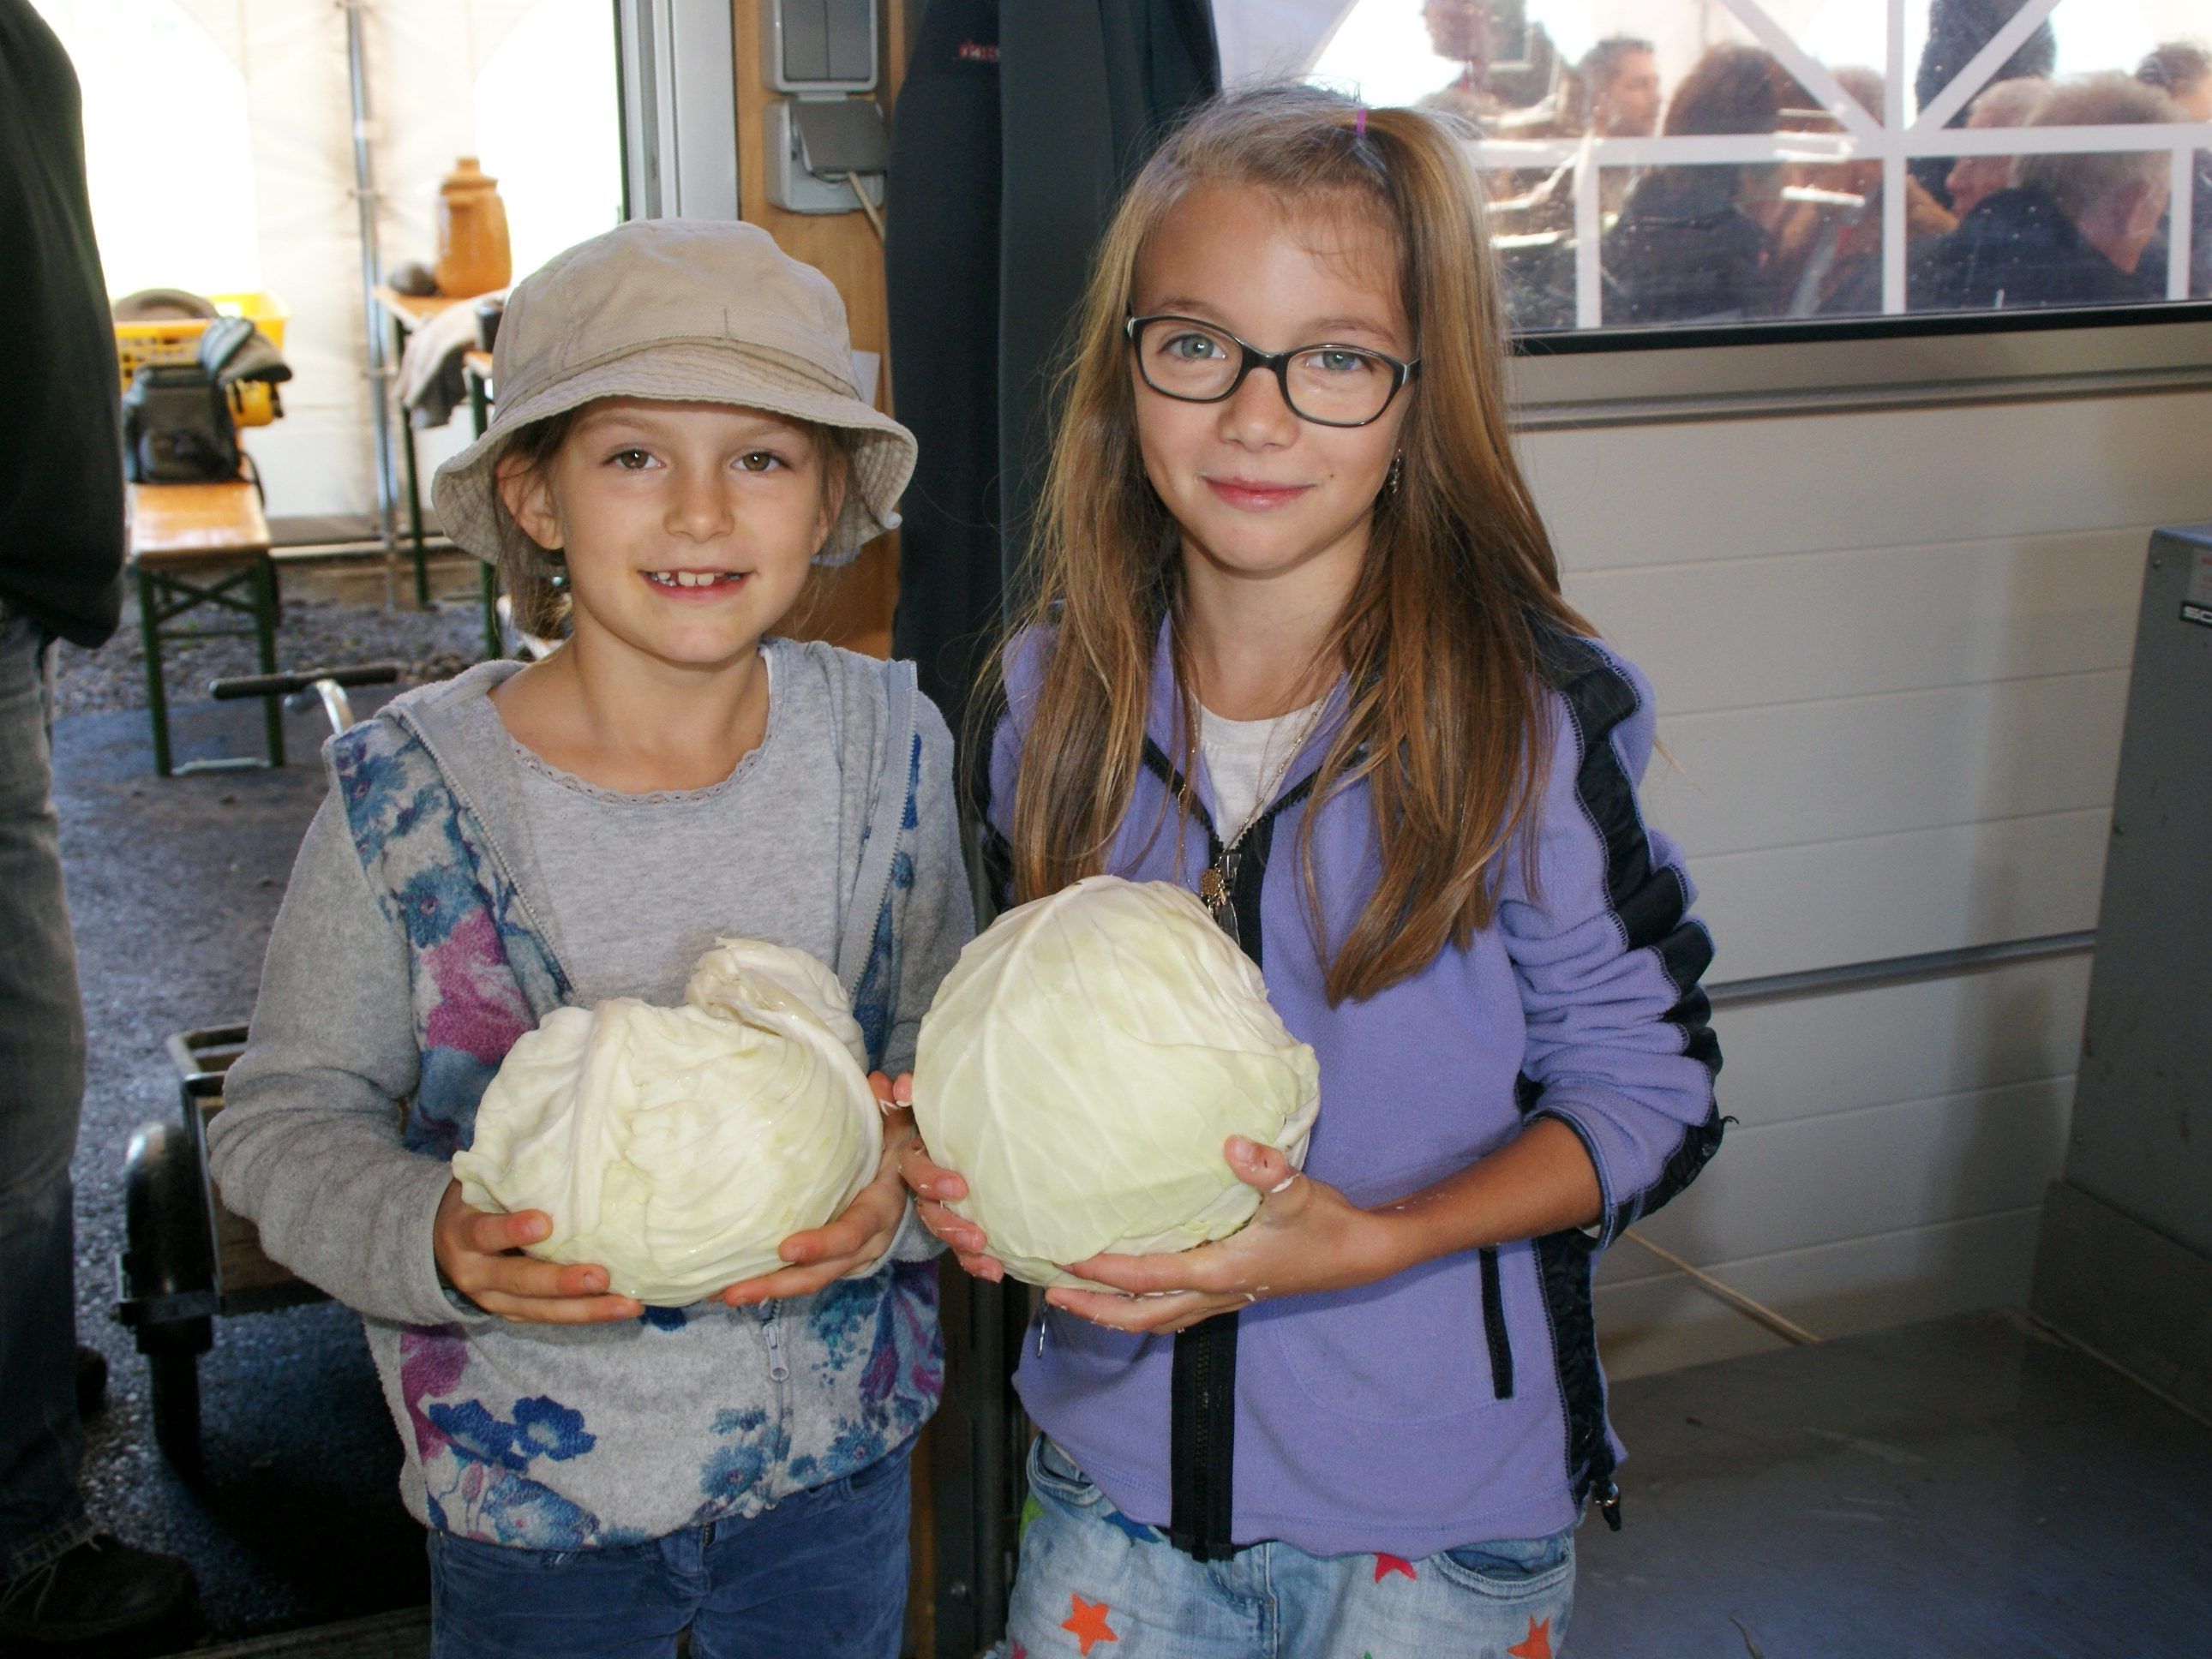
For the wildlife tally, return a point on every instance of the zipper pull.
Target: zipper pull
(777, 1370)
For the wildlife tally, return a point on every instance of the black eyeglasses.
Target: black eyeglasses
(1329, 385)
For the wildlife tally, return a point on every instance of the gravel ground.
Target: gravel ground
(313, 633)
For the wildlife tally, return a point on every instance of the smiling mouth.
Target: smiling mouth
(1246, 493)
(695, 578)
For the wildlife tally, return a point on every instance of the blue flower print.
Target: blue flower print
(546, 1428)
(732, 1473)
(664, 1319)
(431, 901)
(842, 1311)
(478, 1436)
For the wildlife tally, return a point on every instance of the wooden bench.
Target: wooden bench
(194, 545)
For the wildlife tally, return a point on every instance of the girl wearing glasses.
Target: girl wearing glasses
(1299, 645)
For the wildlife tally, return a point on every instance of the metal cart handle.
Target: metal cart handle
(329, 683)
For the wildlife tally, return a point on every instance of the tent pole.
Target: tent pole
(366, 202)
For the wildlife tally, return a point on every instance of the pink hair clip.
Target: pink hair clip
(1359, 123)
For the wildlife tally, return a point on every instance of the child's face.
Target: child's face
(1258, 492)
(687, 527)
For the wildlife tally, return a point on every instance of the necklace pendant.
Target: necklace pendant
(1213, 893)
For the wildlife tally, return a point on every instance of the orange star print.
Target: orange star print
(1537, 1645)
(1086, 1622)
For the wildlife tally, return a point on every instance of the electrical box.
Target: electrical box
(827, 151)
(820, 47)
(820, 153)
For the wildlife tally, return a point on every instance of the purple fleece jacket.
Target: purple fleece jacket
(1461, 1400)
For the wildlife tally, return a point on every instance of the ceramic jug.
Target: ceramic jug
(473, 250)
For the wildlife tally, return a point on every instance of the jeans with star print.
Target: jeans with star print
(1094, 1584)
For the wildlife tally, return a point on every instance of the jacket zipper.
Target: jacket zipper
(1493, 1325)
(778, 1372)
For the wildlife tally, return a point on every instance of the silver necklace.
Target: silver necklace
(1218, 879)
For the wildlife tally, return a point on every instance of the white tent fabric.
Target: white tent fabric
(526, 84)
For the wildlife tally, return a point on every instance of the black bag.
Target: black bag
(177, 426)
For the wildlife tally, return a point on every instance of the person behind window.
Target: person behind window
(1620, 77)
(2070, 229)
(1828, 242)
(2182, 70)
(1621, 83)
(1508, 78)
(1957, 32)
(1973, 179)
(1692, 243)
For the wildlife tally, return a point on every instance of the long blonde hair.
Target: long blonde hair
(1440, 636)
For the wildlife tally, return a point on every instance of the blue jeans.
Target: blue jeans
(41, 1088)
(820, 1576)
(1090, 1576)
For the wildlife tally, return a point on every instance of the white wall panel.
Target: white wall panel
(1812, 1056)
(1661, 495)
(1887, 1169)
(1786, 774)
(1832, 1290)
(1753, 632)
(1890, 653)
(1823, 904)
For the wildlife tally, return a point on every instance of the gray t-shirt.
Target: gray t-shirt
(643, 885)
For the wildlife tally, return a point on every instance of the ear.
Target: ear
(837, 480)
(528, 498)
(2146, 207)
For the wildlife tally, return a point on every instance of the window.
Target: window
(1663, 163)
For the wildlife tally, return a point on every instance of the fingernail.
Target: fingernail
(1242, 1149)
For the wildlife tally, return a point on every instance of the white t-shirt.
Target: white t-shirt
(1242, 756)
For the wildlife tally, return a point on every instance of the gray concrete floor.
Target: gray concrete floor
(173, 885)
(1967, 1488)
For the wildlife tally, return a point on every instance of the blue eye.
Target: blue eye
(1334, 359)
(1194, 348)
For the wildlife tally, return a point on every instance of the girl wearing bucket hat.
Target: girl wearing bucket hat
(679, 440)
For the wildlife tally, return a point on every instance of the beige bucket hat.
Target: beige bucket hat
(684, 310)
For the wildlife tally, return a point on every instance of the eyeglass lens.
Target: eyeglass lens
(1329, 383)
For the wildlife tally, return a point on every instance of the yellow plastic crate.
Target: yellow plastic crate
(177, 341)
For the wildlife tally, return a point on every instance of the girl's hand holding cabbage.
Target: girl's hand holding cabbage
(1084, 1066)
(732, 1144)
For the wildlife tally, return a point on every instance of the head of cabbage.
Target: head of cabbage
(1083, 1064)
(679, 1147)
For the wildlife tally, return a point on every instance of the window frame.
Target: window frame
(1628, 377)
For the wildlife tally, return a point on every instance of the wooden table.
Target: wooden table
(184, 539)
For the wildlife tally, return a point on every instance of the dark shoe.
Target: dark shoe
(101, 1588)
(91, 1380)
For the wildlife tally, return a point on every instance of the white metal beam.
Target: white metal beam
(1984, 63)
(1815, 76)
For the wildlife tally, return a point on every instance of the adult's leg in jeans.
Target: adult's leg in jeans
(41, 1088)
